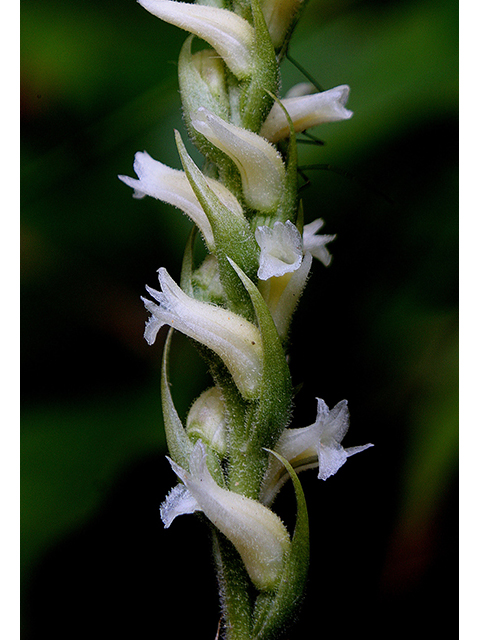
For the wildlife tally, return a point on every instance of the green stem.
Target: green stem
(235, 590)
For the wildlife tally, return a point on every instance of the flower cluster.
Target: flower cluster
(237, 449)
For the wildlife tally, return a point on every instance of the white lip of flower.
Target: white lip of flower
(172, 186)
(318, 445)
(229, 34)
(307, 111)
(256, 532)
(282, 247)
(260, 165)
(234, 339)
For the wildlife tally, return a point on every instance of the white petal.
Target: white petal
(316, 244)
(178, 502)
(307, 111)
(280, 249)
(225, 31)
(331, 456)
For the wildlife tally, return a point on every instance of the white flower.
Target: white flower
(284, 265)
(234, 339)
(256, 532)
(260, 165)
(169, 185)
(318, 445)
(282, 294)
(281, 249)
(278, 16)
(316, 244)
(229, 34)
(306, 111)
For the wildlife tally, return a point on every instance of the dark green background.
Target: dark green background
(378, 327)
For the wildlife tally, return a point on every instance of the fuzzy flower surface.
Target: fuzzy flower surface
(257, 533)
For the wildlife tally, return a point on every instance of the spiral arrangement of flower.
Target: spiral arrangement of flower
(237, 448)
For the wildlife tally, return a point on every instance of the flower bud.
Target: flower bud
(260, 165)
(229, 34)
(235, 340)
(306, 111)
(206, 421)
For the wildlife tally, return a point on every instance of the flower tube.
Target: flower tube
(307, 111)
(229, 34)
(169, 185)
(234, 339)
(256, 532)
(259, 163)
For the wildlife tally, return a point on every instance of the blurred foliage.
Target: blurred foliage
(379, 327)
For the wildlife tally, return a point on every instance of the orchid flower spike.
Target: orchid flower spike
(306, 111)
(159, 181)
(257, 533)
(229, 34)
(318, 445)
(234, 339)
(260, 165)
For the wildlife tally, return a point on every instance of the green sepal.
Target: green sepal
(256, 99)
(232, 234)
(267, 417)
(179, 445)
(274, 611)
